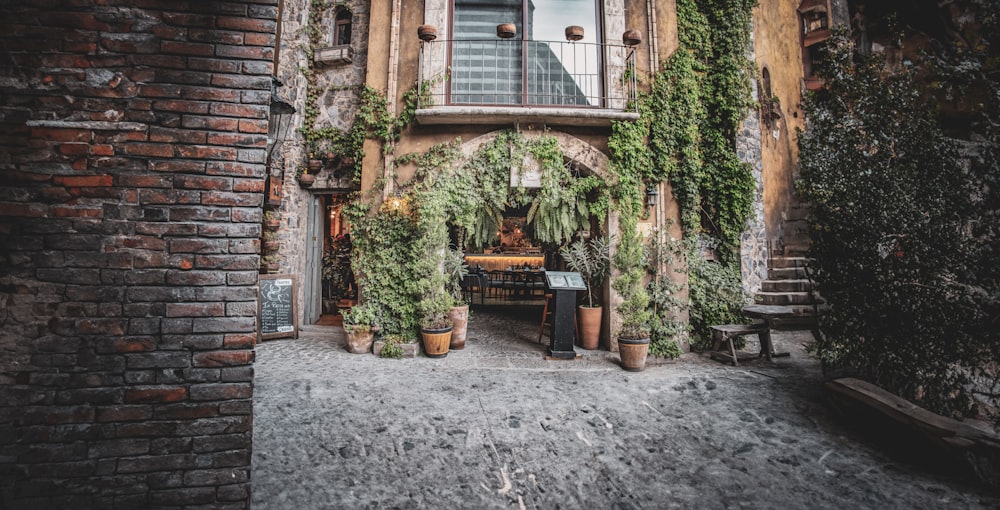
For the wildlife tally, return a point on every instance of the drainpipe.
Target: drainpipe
(654, 46)
(392, 86)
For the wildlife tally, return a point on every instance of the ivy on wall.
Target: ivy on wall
(686, 135)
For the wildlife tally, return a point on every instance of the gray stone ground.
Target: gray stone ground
(497, 426)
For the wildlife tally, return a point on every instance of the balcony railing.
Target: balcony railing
(506, 73)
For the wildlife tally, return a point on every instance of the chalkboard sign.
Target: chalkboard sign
(277, 306)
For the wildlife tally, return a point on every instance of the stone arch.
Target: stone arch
(574, 149)
(597, 163)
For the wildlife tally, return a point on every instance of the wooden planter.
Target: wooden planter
(574, 33)
(589, 327)
(633, 353)
(436, 341)
(460, 316)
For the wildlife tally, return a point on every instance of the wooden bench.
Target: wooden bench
(727, 333)
(977, 446)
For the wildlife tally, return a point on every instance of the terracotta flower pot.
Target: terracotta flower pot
(460, 316)
(633, 353)
(574, 33)
(631, 38)
(589, 326)
(306, 180)
(427, 33)
(436, 342)
(506, 30)
(359, 340)
(315, 165)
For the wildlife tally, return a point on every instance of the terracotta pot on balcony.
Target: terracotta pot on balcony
(315, 165)
(574, 33)
(306, 180)
(506, 30)
(631, 38)
(427, 33)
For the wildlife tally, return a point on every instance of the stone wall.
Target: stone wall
(132, 146)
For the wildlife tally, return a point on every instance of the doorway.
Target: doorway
(329, 283)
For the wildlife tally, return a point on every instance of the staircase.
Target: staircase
(788, 285)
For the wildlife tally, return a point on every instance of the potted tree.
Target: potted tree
(360, 324)
(633, 335)
(456, 270)
(593, 261)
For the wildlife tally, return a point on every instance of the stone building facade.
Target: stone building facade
(133, 142)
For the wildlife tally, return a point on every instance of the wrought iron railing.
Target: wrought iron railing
(506, 72)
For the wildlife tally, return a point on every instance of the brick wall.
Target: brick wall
(132, 150)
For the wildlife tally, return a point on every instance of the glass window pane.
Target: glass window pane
(562, 72)
(484, 68)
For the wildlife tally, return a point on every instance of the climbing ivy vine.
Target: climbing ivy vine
(686, 135)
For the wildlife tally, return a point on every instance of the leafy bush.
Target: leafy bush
(716, 294)
(898, 260)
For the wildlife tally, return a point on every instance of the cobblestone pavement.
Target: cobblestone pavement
(496, 426)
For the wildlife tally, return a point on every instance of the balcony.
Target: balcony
(506, 81)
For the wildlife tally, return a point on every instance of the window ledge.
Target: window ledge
(438, 115)
(333, 55)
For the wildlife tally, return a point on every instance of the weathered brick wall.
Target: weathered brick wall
(132, 150)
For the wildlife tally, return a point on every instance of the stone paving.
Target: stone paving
(495, 425)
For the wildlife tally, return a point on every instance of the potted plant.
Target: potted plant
(456, 270)
(306, 179)
(633, 335)
(593, 261)
(435, 325)
(506, 30)
(360, 324)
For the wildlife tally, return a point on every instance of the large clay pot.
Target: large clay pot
(574, 33)
(436, 342)
(460, 316)
(306, 180)
(506, 30)
(359, 340)
(633, 352)
(589, 325)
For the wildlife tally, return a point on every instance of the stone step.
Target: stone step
(786, 273)
(797, 249)
(775, 285)
(784, 298)
(785, 262)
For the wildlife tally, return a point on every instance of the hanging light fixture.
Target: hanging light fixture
(652, 196)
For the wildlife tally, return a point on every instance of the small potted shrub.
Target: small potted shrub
(456, 270)
(593, 261)
(435, 325)
(633, 335)
(360, 324)
(306, 179)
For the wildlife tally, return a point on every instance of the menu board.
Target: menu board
(560, 280)
(277, 306)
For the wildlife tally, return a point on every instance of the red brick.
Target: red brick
(258, 39)
(196, 309)
(145, 181)
(232, 199)
(149, 149)
(253, 126)
(84, 180)
(206, 152)
(238, 341)
(61, 135)
(217, 124)
(124, 413)
(248, 185)
(221, 391)
(240, 110)
(186, 48)
(73, 149)
(223, 358)
(237, 140)
(246, 24)
(61, 211)
(102, 150)
(187, 411)
(155, 395)
(182, 106)
(248, 52)
(201, 182)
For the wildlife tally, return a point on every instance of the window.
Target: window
(342, 28)
(535, 67)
